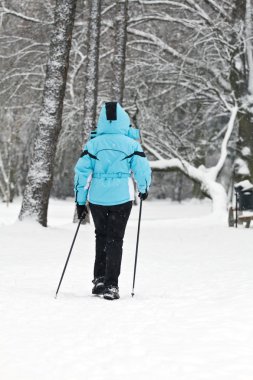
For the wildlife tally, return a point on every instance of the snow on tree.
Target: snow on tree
(24, 32)
(241, 79)
(208, 64)
(91, 72)
(185, 60)
(91, 75)
(40, 175)
(8, 158)
(206, 177)
(119, 57)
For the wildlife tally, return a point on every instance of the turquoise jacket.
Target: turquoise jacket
(103, 173)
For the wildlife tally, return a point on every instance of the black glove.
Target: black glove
(82, 211)
(143, 196)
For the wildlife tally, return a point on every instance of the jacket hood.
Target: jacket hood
(119, 123)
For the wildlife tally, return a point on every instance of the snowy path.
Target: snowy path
(191, 317)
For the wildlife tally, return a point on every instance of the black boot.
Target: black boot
(99, 286)
(111, 292)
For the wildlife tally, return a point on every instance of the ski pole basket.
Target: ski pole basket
(243, 210)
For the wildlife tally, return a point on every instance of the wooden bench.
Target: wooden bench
(246, 218)
(240, 218)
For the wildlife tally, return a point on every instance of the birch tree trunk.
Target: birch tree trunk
(91, 83)
(92, 72)
(241, 79)
(120, 29)
(40, 174)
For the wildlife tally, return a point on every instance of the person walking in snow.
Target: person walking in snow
(103, 178)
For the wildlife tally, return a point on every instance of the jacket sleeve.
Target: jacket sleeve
(141, 169)
(83, 175)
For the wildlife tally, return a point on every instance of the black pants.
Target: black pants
(110, 224)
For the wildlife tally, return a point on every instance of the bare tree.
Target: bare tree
(206, 177)
(209, 65)
(241, 79)
(25, 29)
(187, 65)
(9, 157)
(39, 180)
(91, 72)
(120, 43)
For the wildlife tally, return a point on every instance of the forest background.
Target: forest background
(188, 86)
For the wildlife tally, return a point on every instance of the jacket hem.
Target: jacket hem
(110, 203)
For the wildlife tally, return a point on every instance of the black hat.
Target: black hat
(111, 110)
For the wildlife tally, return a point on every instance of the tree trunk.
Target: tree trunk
(92, 68)
(92, 72)
(40, 174)
(120, 28)
(241, 83)
(243, 165)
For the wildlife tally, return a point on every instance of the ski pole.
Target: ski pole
(137, 245)
(65, 266)
(236, 208)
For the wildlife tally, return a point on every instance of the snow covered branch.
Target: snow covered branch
(5, 10)
(248, 32)
(223, 155)
(216, 6)
(201, 175)
(206, 177)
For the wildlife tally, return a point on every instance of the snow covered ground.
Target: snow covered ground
(191, 317)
